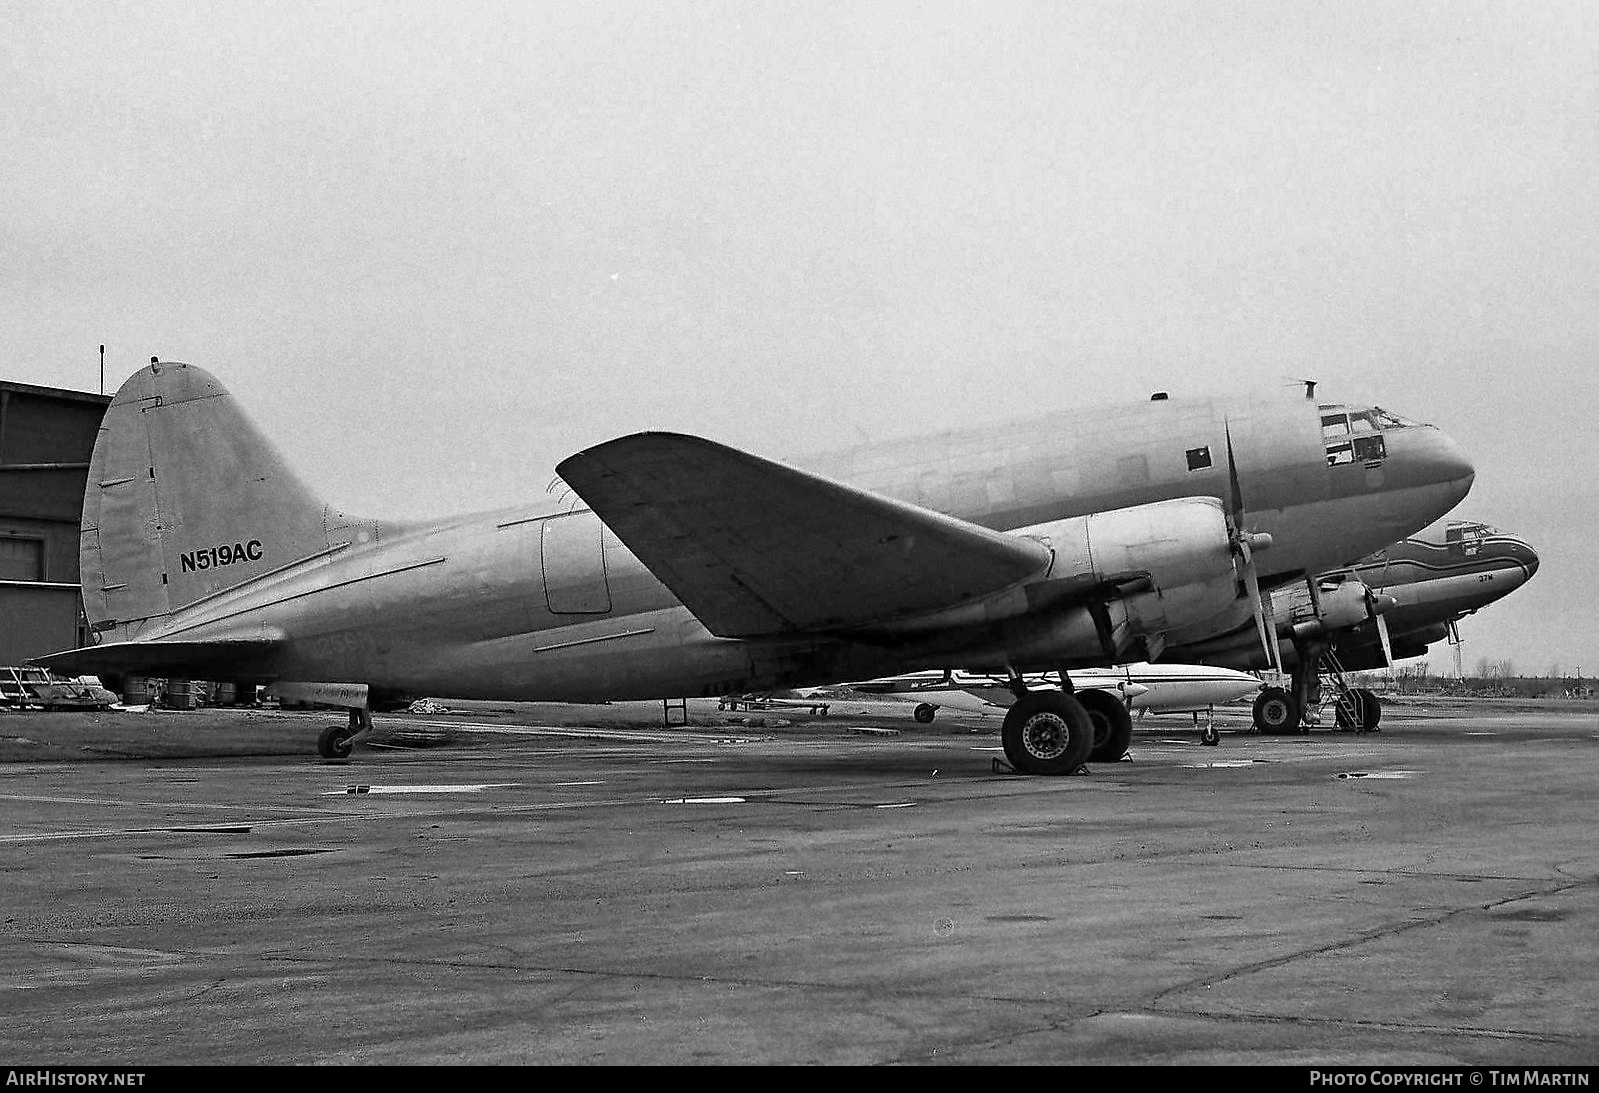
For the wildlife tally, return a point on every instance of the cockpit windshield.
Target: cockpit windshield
(1387, 420)
(1465, 537)
(1354, 434)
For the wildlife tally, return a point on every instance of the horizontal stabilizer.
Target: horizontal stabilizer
(754, 547)
(190, 659)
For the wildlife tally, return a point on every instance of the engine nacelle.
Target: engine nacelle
(1174, 558)
(1343, 606)
(1121, 580)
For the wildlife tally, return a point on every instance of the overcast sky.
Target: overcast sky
(435, 248)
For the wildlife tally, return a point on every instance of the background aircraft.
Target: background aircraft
(1053, 544)
(1388, 606)
(1141, 688)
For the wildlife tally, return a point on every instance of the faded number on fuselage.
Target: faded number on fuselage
(223, 554)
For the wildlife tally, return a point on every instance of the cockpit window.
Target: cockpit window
(1353, 436)
(1370, 449)
(1362, 417)
(1386, 420)
(1466, 538)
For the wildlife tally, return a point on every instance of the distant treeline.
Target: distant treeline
(1488, 680)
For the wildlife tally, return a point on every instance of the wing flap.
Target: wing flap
(754, 547)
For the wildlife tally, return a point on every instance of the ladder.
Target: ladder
(1333, 690)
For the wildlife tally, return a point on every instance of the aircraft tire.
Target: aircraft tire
(1047, 732)
(925, 712)
(1209, 737)
(1371, 706)
(1276, 711)
(1113, 725)
(336, 742)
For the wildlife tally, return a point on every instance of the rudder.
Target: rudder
(186, 498)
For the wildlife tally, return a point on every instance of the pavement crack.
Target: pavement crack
(1395, 930)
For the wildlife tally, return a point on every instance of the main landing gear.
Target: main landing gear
(1056, 732)
(338, 741)
(1113, 725)
(1316, 674)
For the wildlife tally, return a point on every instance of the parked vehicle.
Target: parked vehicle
(21, 688)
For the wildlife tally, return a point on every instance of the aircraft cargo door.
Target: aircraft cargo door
(573, 552)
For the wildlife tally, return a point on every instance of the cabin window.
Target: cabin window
(1198, 458)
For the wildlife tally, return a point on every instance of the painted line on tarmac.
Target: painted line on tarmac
(375, 790)
(643, 736)
(124, 803)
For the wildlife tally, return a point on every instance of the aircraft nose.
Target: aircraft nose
(1450, 462)
(1522, 552)
(1432, 457)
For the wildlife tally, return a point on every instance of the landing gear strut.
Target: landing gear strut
(338, 741)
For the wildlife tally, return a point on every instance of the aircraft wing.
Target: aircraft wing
(754, 547)
(197, 658)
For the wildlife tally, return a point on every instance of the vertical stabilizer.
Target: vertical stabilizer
(186, 498)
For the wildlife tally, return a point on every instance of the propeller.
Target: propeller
(1128, 688)
(1349, 603)
(1382, 623)
(1376, 604)
(1244, 546)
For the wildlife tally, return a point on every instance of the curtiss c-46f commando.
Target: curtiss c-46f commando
(697, 569)
(1389, 605)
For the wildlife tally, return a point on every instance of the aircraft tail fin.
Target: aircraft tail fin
(185, 499)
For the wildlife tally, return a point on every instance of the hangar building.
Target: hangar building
(46, 438)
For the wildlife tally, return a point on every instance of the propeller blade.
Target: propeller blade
(1264, 624)
(1237, 512)
(1261, 606)
(1387, 646)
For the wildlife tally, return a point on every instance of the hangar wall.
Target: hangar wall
(46, 438)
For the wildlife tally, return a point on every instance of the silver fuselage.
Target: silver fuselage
(533, 604)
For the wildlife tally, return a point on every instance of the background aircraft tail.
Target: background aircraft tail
(186, 498)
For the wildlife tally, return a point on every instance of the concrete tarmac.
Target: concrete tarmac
(579, 885)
